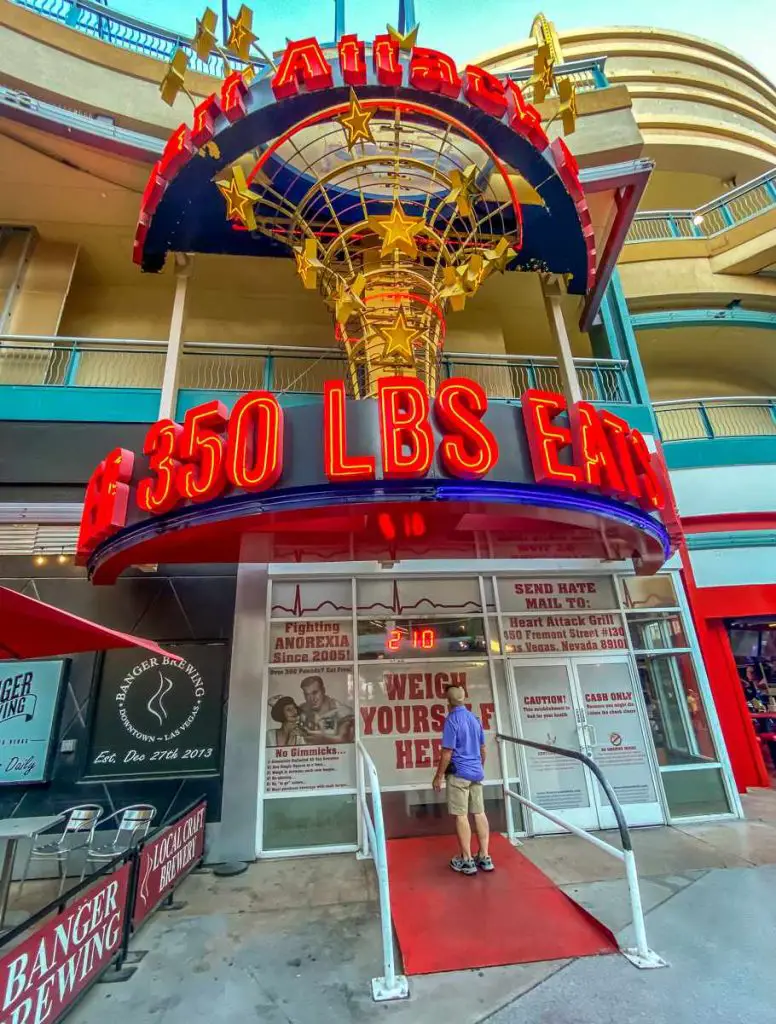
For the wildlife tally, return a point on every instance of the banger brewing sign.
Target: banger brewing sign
(156, 716)
(166, 858)
(29, 699)
(44, 975)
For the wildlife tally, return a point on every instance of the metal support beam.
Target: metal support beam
(407, 19)
(339, 20)
(17, 281)
(169, 398)
(552, 290)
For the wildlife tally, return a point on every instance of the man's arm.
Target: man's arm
(482, 755)
(444, 764)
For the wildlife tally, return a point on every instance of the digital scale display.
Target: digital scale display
(419, 638)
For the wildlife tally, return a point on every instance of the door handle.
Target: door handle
(592, 736)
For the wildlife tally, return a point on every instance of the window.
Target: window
(680, 728)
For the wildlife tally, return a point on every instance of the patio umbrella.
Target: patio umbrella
(32, 629)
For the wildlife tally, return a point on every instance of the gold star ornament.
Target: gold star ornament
(348, 301)
(356, 123)
(406, 41)
(567, 111)
(498, 258)
(543, 77)
(307, 262)
(462, 281)
(205, 36)
(398, 231)
(241, 38)
(399, 342)
(239, 198)
(464, 189)
(173, 81)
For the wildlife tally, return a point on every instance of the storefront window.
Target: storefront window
(443, 596)
(310, 821)
(695, 793)
(680, 728)
(311, 598)
(648, 592)
(557, 594)
(656, 631)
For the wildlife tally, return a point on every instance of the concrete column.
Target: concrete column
(553, 292)
(172, 359)
(240, 811)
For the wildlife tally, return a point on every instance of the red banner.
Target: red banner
(166, 859)
(45, 974)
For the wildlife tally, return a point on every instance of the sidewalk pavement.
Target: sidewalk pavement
(297, 942)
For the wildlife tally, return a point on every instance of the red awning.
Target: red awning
(32, 629)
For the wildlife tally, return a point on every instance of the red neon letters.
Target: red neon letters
(303, 66)
(484, 90)
(352, 56)
(600, 450)
(468, 448)
(432, 71)
(214, 451)
(385, 60)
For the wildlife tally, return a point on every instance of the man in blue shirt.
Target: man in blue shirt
(462, 765)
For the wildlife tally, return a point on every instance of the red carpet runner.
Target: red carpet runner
(515, 915)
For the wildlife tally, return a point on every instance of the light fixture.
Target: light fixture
(698, 219)
(62, 559)
(40, 560)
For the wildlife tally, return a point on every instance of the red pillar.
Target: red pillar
(741, 741)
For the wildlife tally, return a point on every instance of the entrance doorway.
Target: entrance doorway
(591, 705)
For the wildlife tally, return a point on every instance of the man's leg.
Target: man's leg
(464, 831)
(483, 832)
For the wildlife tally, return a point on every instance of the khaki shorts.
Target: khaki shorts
(464, 797)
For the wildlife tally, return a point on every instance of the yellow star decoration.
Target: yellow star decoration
(407, 41)
(399, 342)
(205, 36)
(239, 198)
(240, 35)
(173, 81)
(356, 123)
(307, 262)
(347, 300)
(398, 231)
(462, 281)
(543, 77)
(499, 257)
(567, 111)
(464, 189)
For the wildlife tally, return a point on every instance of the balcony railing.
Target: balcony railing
(741, 204)
(107, 363)
(585, 74)
(710, 418)
(97, 20)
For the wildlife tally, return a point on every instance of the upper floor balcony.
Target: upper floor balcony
(111, 381)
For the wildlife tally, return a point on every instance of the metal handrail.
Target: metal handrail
(391, 985)
(712, 218)
(706, 419)
(672, 403)
(570, 69)
(641, 956)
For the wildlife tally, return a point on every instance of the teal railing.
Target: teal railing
(705, 419)
(107, 363)
(96, 19)
(740, 204)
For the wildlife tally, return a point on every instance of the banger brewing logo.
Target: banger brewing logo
(159, 699)
(16, 700)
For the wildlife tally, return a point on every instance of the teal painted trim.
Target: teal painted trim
(702, 318)
(599, 77)
(188, 398)
(615, 308)
(73, 404)
(726, 539)
(73, 364)
(638, 416)
(722, 451)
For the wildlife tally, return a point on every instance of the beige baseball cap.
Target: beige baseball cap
(456, 694)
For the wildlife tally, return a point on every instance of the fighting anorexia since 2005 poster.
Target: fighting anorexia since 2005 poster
(311, 729)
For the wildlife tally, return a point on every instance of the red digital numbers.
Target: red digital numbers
(201, 446)
(157, 493)
(420, 638)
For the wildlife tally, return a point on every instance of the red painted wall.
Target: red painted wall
(709, 606)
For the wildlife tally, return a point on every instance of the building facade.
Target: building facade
(591, 620)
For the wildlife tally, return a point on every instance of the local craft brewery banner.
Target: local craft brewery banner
(155, 716)
(403, 710)
(29, 698)
(311, 728)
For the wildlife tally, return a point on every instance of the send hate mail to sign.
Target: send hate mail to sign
(43, 976)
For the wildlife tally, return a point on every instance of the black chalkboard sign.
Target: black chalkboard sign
(156, 717)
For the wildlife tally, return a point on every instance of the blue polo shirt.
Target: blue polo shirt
(464, 735)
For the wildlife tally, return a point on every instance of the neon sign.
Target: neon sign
(215, 453)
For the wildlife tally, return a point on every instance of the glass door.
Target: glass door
(616, 738)
(548, 711)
